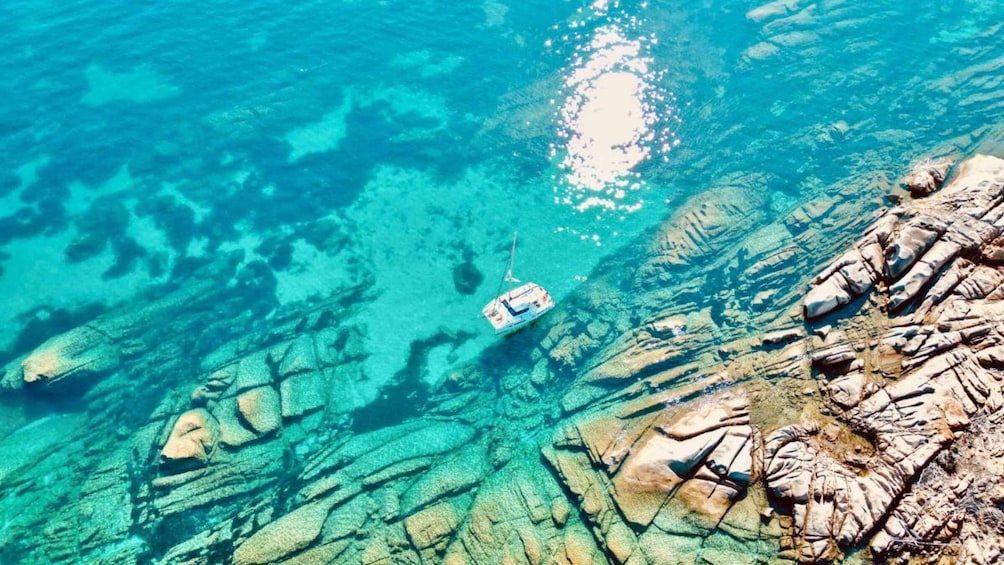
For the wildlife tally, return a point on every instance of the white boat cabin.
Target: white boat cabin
(518, 307)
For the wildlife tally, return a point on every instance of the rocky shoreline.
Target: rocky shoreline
(642, 422)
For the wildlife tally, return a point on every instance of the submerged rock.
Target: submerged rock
(259, 408)
(285, 536)
(432, 527)
(660, 423)
(80, 354)
(192, 440)
(926, 177)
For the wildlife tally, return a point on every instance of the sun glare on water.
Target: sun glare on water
(611, 117)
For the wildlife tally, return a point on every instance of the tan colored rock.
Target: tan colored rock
(431, 527)
(927, 176)
(80, 353)
(259, 409)
(532, 548)
(907, 287)
(283, 537)
(849, 277)
(376, 552)
(910, 419)
(919, 241)
(448, 478)
(647, 478)
(233, 432)
(694, 461)
(579, 548)
(577, 475)
(719, 412)
(621, 542)
(559, 512)
(939, 362)
(910, 243)
(327, 553)
(510, 519)
(193, 439)
(954, 414)
(847, 390)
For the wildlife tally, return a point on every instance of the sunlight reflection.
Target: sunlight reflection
(609, 122)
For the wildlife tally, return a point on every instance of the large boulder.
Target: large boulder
(192, 441)
(927, 176)
(79, 354)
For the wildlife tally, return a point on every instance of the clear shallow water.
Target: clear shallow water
(394, 147)
(384, 145)
(139, 143)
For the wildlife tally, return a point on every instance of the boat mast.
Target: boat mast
(512, 260)
(508, 278)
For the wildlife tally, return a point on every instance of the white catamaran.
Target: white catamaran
(519, 306)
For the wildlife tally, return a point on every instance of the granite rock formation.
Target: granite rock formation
(927, 176)
(645, 421)
(78, 354)
(899, 353)
(926, 280)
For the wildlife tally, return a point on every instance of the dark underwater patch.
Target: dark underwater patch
(127, 254)
(278, 253)
(256, 283)
(187, 267)
(101, 222)
(22, 223)
(466, 276)
(85, 246)
(8, 182)
(406, 398)
(42, 323)
(175, 219)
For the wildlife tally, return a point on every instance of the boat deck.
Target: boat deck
(518, 307)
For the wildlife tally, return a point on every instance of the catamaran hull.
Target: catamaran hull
(517, 308)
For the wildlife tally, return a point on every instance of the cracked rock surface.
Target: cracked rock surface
(852, 415)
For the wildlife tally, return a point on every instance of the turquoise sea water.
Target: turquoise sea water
(139, 143)
(389, 149)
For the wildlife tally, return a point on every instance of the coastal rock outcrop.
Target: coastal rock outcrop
(676, 476)
(922, 371)
(644, 422)
(895, 386)
(911, 246)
